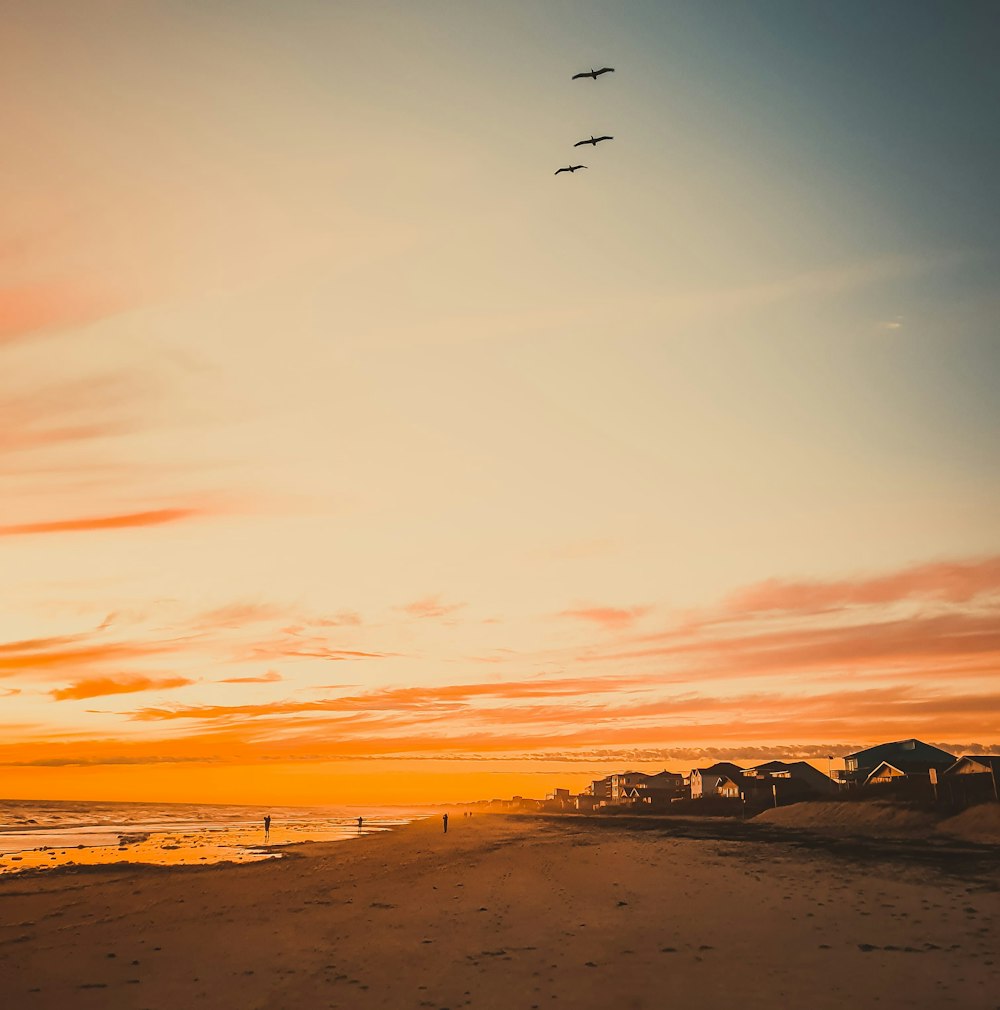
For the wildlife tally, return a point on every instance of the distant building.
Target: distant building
(660, 788)
(706, 781)
(655, 790)
(731, 788)
(890, 773)
(974, 778)
(600, 789)
(622, 783)
(800, 775)
(586, 802)
(900, 754)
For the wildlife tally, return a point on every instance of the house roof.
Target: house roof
(904, 768)
(799, 770)
(991, 762)
(719, 768)
(909, 752)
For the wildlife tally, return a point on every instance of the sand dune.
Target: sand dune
(513, 913)
(881, 819)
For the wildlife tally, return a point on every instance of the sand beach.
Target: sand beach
(510, 912)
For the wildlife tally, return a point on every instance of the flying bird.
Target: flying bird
(593, 140)
(595, 73)
(568, 168)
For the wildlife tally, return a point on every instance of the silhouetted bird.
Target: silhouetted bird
(568, 168)
(593, 140)
(595, 73)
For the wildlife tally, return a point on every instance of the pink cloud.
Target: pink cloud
(431, 606)
(271, 677)
(610, 618)
(98, 687)
(31, 309)
(128, 520)
(951, 582)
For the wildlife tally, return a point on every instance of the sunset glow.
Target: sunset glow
(349, 456)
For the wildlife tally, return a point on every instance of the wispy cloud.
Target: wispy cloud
(882, 656)
(444, 698)
(92, 762)
(236, 615)
(612, 618)
(98, 687)
(431, 606)
(271, 677)
(119, 521)
(68, 412)
(952, 582)
(64, 655)
(31, 309)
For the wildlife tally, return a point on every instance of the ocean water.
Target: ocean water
(48, 834)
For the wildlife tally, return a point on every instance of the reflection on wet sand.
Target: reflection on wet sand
(50, 847)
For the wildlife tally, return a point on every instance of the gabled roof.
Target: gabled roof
(800, 770)
(719, 768)
(907, 752)
(990, 762)
(904, 768)
(664, 775)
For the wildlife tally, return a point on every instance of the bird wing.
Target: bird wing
(579, 142)
(584, 74)
(575, 167)
(598, 139)
(558, 170)
(606, 70)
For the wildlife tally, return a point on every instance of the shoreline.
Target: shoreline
(45, 849)
(517, 911)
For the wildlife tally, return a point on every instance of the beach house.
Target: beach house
(656, 789)
(600, 789)
(973, 778)
(706, 781)
(902, 757)
(622, 783)
(792, 777)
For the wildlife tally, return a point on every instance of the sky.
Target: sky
(349, 454)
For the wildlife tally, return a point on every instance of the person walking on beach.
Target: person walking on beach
(361, 822)
(444, 820)
(267, 828)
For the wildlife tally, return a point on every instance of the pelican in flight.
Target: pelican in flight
(568, 168)
(593, 140)
(595, 73)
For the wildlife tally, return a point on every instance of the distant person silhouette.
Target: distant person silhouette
(267, 828)
(444, 820)
(361, 822)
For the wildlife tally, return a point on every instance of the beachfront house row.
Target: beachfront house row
(902, 755)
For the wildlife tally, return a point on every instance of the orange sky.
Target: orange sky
(348, 455)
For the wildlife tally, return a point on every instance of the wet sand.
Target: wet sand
(520, 912)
